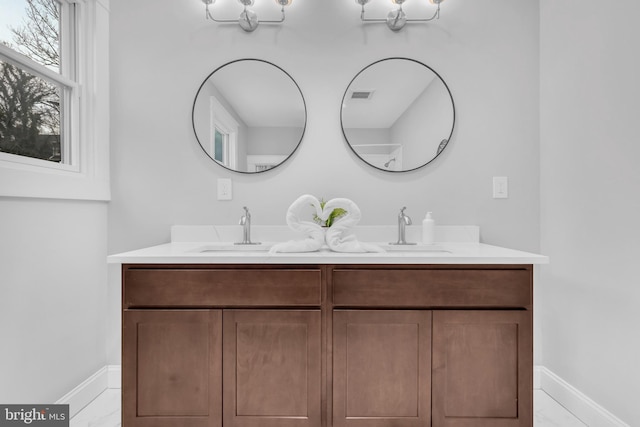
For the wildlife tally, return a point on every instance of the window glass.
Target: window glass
(218, 147)
(29, 114)
(34, 105)
(32, 27)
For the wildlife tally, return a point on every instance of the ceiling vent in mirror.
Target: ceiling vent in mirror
(362, 94)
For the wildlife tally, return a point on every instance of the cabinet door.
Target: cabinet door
(482, 369)
(172, 368)
(381, 368)
(272, 375)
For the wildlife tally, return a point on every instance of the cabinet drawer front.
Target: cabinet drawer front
(433, 288)
(221, 288)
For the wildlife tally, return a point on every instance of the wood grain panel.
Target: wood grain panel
(221, 287)
(272, 369)
(172, 368)
(432, 288)
(381, 368)
(482, 373)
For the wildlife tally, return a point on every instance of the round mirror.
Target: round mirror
(249, 116)
(397, 114)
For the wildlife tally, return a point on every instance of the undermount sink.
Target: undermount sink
(233, 247)
(435, 249)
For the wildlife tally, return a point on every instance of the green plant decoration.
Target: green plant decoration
(335, 214)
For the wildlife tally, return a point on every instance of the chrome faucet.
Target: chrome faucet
(245, 222)
(403, 221)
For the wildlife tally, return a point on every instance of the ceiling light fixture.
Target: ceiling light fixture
(396, 19)
(248, 19)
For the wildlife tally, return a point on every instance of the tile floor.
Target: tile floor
(104, 411)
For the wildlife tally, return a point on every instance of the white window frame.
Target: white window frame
(84, 172)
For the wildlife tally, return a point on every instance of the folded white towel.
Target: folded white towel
(313, 232)
(339, 236)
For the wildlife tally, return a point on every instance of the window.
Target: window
(224, 135)
(221, 147)
(51, 73)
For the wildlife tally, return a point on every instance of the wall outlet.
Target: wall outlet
(224, 189)
(500, 187)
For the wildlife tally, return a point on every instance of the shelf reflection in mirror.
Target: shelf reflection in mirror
(397, 114)
(249, 115)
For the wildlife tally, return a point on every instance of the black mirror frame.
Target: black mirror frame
(440, 150)
(304, 104)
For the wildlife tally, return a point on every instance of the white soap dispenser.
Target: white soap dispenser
(428, 229)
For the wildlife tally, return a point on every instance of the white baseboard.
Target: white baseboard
(83, 394)
(114, 376)
(537, 369)
(576, 402)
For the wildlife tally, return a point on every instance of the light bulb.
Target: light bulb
(284, 2)
(208, 2)
(436, 1)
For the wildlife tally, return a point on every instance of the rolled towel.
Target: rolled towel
(314, 233)
(339, 236)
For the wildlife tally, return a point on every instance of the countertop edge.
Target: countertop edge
(478, 253)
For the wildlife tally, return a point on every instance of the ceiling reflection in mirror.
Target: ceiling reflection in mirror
(249, 116)
(397, 114)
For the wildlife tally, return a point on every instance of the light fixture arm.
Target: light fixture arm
(436, 15)
(209, 15)
(248, 19)
(363, 19)
(396, 19)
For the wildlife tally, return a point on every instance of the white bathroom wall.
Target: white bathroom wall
(161, 50)
(590, 199)
(53, 274)
(53, 290)
(273, 140)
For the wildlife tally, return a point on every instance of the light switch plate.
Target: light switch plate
(500, 187)
(224, 189)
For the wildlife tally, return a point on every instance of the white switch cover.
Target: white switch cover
(224, 189)
(500, 187)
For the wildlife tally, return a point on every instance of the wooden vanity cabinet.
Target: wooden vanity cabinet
(440, 346)
(214, 346)
(323, 345)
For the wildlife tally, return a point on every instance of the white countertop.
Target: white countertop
(461, 245)
(456, 253)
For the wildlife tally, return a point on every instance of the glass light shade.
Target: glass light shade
(208, 2)
(284, 2)
(397, 1)
(436, 1)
